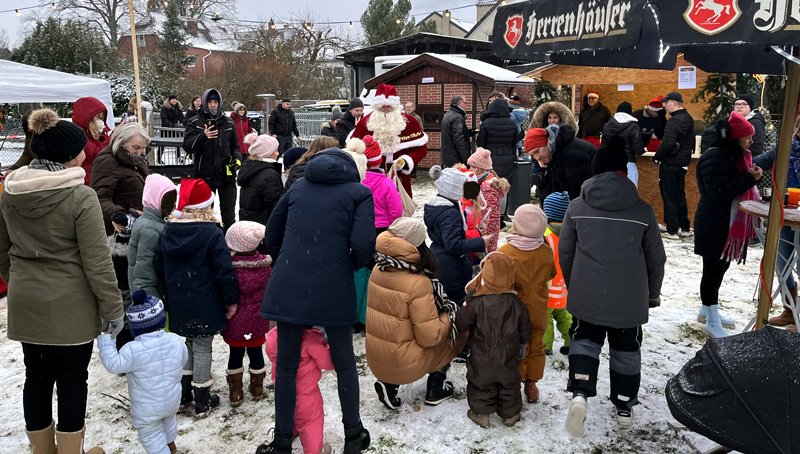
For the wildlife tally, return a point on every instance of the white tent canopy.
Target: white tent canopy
(28, 84)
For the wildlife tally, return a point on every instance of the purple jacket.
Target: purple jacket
(247, 328)
(388, 205)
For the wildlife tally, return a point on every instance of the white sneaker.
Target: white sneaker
(685, 233)
(624, 418)
(671, 236)
(576, 416)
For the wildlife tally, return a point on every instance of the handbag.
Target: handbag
(409, 205)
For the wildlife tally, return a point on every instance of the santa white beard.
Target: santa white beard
(386, 129)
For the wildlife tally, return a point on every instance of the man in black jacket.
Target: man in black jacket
(282, 125)
(564, 158)
(172, 113)
(675, 154)
(652, 118)
(211, 138)
(593, 117)
(455, 135)
(348, 122)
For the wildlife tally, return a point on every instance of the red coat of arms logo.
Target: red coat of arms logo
(712, 16)
(513, 30)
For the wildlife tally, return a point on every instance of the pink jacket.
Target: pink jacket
(388, 205)
(247, 328)
(315, 356)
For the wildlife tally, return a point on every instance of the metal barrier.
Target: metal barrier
(12, 142)
(309, 124)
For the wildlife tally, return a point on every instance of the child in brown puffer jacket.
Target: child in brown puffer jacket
(499, 329)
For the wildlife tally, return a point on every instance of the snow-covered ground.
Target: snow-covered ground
(670, 339)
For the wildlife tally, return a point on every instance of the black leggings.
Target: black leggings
(254, 354)
(713, 272)
(67, 367)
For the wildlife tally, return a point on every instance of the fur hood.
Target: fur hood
(167, 105)
(117, 249)
(540, 116)
(501, 183)
(265, 262)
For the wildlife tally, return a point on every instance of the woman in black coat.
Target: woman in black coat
(260, 179)
(499, 134)
(320, 232)
(724, 174)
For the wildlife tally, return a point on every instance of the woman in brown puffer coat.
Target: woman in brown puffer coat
(409, 329)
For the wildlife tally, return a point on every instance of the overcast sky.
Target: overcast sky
(332, 10)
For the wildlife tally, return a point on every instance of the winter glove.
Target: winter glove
(234, 165)
(114, 327)
(522, 348)
(655, 302)
(231, 312)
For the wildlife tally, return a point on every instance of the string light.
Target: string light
(53, 5)
(16, 11)
(351, 24)
(447, 13)
(398, 21)
(271, 24)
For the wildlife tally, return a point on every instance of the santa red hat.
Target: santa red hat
(655, 104)
(593, 93)
(386, 94)
(372, 152)
(194, 194)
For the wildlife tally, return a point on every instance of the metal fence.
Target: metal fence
(12, 142)
(309, 124)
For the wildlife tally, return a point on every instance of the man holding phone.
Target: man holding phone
(211, 139)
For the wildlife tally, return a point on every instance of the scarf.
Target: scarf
(46, 164)
(137, 159)
(524, 243)
(741, 230)
(443, 304)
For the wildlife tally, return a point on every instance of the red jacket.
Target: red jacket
(82, 113)
(242, 129)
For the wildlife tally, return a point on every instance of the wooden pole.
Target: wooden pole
(779, 179)
(134, 47)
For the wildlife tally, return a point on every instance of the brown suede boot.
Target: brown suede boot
(785, 318)
(531, 391)
(509, 422)
(792, 329)
(479, 419)
(172, 448)
(72, 443)
(235, 386)
(256, 386)
(43, 441)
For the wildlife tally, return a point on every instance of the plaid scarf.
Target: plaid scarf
(741, 229)
(46, 164)
(443, 304)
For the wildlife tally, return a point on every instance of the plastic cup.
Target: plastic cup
(794, 196)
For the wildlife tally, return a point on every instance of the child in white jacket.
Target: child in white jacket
(154, 364)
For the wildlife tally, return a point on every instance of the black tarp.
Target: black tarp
(743, 392)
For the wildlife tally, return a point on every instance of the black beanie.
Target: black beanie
(213, 95)
(171, 97)
(53, 139)
(286, 100)
(356, 102)
(611, 158)
(625, 106)
(748, 99)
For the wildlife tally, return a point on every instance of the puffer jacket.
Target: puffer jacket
(320, 232)
(455, 137)
(246, 328)
(611, 254)
(193, 260)
(282, 122)
(243, 128)
(406, 336)
(499, 135)
(760, 125)
(212, 156)
(84, 111)
(54, 258)
(328, 130)
(262, 186)
(571, 162)
(388, 205)
(677, 144)
(142, 252)
(119, 184)
(627, 127)
(297, 172)
(171, 116)
(153, 363)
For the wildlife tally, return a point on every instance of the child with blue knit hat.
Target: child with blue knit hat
(154, 364)
(555, 207)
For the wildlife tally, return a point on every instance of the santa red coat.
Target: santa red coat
(413, 145)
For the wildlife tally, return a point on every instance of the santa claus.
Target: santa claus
(399, 135)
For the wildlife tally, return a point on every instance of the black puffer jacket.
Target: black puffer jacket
(455, 137)
(346, 124)
(261, 188)
(678, 141)
(212, 156)
(172, 116)
(282, 122)
(625, 126)
(499, 135)
(297, 172)
(571, 162)
(328, 130)
(760, 125)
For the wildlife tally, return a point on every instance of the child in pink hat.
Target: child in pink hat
(493, 189)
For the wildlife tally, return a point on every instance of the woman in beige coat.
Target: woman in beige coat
(409, 319)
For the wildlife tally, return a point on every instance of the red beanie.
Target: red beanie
(739, 126)
(373, 151)
(535, 138)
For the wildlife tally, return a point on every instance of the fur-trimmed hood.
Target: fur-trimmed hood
(167, 105)
(263, 263)
(539, 119)
(117, 249)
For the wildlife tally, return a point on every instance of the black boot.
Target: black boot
(355, 440)
(439, 390)
(279, 445)
(186, 393)
(204, 401)
(387, 394)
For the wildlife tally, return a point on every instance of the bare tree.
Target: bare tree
(109, 16)
(5, 43)
(197, 8)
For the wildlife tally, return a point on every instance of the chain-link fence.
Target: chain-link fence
(12, 142)
(309, 124)
(770, 140)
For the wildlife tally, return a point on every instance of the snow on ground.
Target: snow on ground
(670, 339)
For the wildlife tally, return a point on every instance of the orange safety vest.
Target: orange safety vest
(556, 288)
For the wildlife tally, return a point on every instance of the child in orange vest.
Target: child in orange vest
(555, 206)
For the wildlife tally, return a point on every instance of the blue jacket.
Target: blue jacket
(193, 260)
(319, 233)
(450, 245)
(766, 160)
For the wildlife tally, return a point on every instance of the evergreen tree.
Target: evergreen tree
(172, 59)
(718, 91)
(65, 46)
(544, 92)
(384, 20)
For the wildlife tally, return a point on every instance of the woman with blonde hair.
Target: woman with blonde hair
(260, 179)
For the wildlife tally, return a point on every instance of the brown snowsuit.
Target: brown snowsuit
(498, 326)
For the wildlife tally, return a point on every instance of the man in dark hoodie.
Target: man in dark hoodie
(607, 224)
(282, 125)
(744, 106)
(626, 126)
(211, 138)
(349, 119)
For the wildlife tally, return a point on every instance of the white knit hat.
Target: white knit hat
(449, 182)
(262, 146)
(244, 236)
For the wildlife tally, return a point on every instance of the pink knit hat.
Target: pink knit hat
(739, 126)
(155, 187)
(373, 151)
(482, 159)
(261, 146)
(244, 236)
(530, 221)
